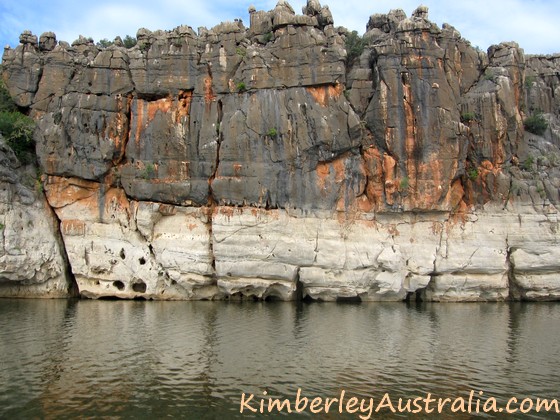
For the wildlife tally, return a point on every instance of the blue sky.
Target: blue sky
(534, 24)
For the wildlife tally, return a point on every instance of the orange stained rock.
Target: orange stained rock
(459, 216)
(322, 94)
(389, 174)
(137, 118)
(366, 205)
(455, 195)
(486, 164)
(87, 196)
(209, 95)
(115, 201)
(389, 164)
(62, 191)
(167, 209)
(375, 183)
(147, 110)
(325, 170)
(393, 230)
(225, 211)
(237, 169)
(73, 227)
(116, 128)
(429, 185)
(162, 105)
(184, 101)
(410, 139)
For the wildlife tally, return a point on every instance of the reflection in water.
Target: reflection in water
(128, 359)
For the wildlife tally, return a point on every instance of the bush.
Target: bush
(6, 103)
(529, 80)
(129, 41)
(104, 43)
(536, 124)
(467, 117)
(149, 171)
(528, 164)
(355, 45)
(489, 75)
(16, 128)
(272, 132)
(472, 173)
(241, 87)
(404, 184)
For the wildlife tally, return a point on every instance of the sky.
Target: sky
(533, 24)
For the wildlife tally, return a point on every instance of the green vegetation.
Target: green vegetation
(241, 51)
(2, 226)
(528, 163)
(404, 184)
(144, 46)
(39, 185)
(529, 80)
(489, 75)
(149, 171)
(472, 173)
(16, 128)
(467, 117)
(536, 123)
(104, 43)
(129, 41)
(272, 133)
(268, 37)
(355, 45)
(241, 87)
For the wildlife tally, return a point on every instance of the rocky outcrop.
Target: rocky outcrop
(278, 162)
(32, 261)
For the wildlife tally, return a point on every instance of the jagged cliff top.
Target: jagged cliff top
(261, 23)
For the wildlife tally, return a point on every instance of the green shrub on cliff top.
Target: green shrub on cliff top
(355, 45)
(16, 128)
(536, 123)
(129, 41)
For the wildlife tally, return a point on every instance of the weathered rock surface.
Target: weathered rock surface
(272, 162)
(31, 259)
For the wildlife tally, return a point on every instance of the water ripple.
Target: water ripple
(87, 359)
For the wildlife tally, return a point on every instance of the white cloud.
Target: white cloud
(533, 24)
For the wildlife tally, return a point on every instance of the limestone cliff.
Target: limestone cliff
(272, 162)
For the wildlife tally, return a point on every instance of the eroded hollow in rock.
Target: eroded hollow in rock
(118, 284)
(139, 287)
(348, 299)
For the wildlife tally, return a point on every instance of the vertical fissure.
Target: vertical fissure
(73, 289)
(513, 291)
(212, 202)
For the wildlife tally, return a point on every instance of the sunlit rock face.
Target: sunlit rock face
(291, 160)
(31, 259)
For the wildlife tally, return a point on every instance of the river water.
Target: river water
(137, 359)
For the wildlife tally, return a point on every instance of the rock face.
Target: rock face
(31, 259)
(277, 162)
